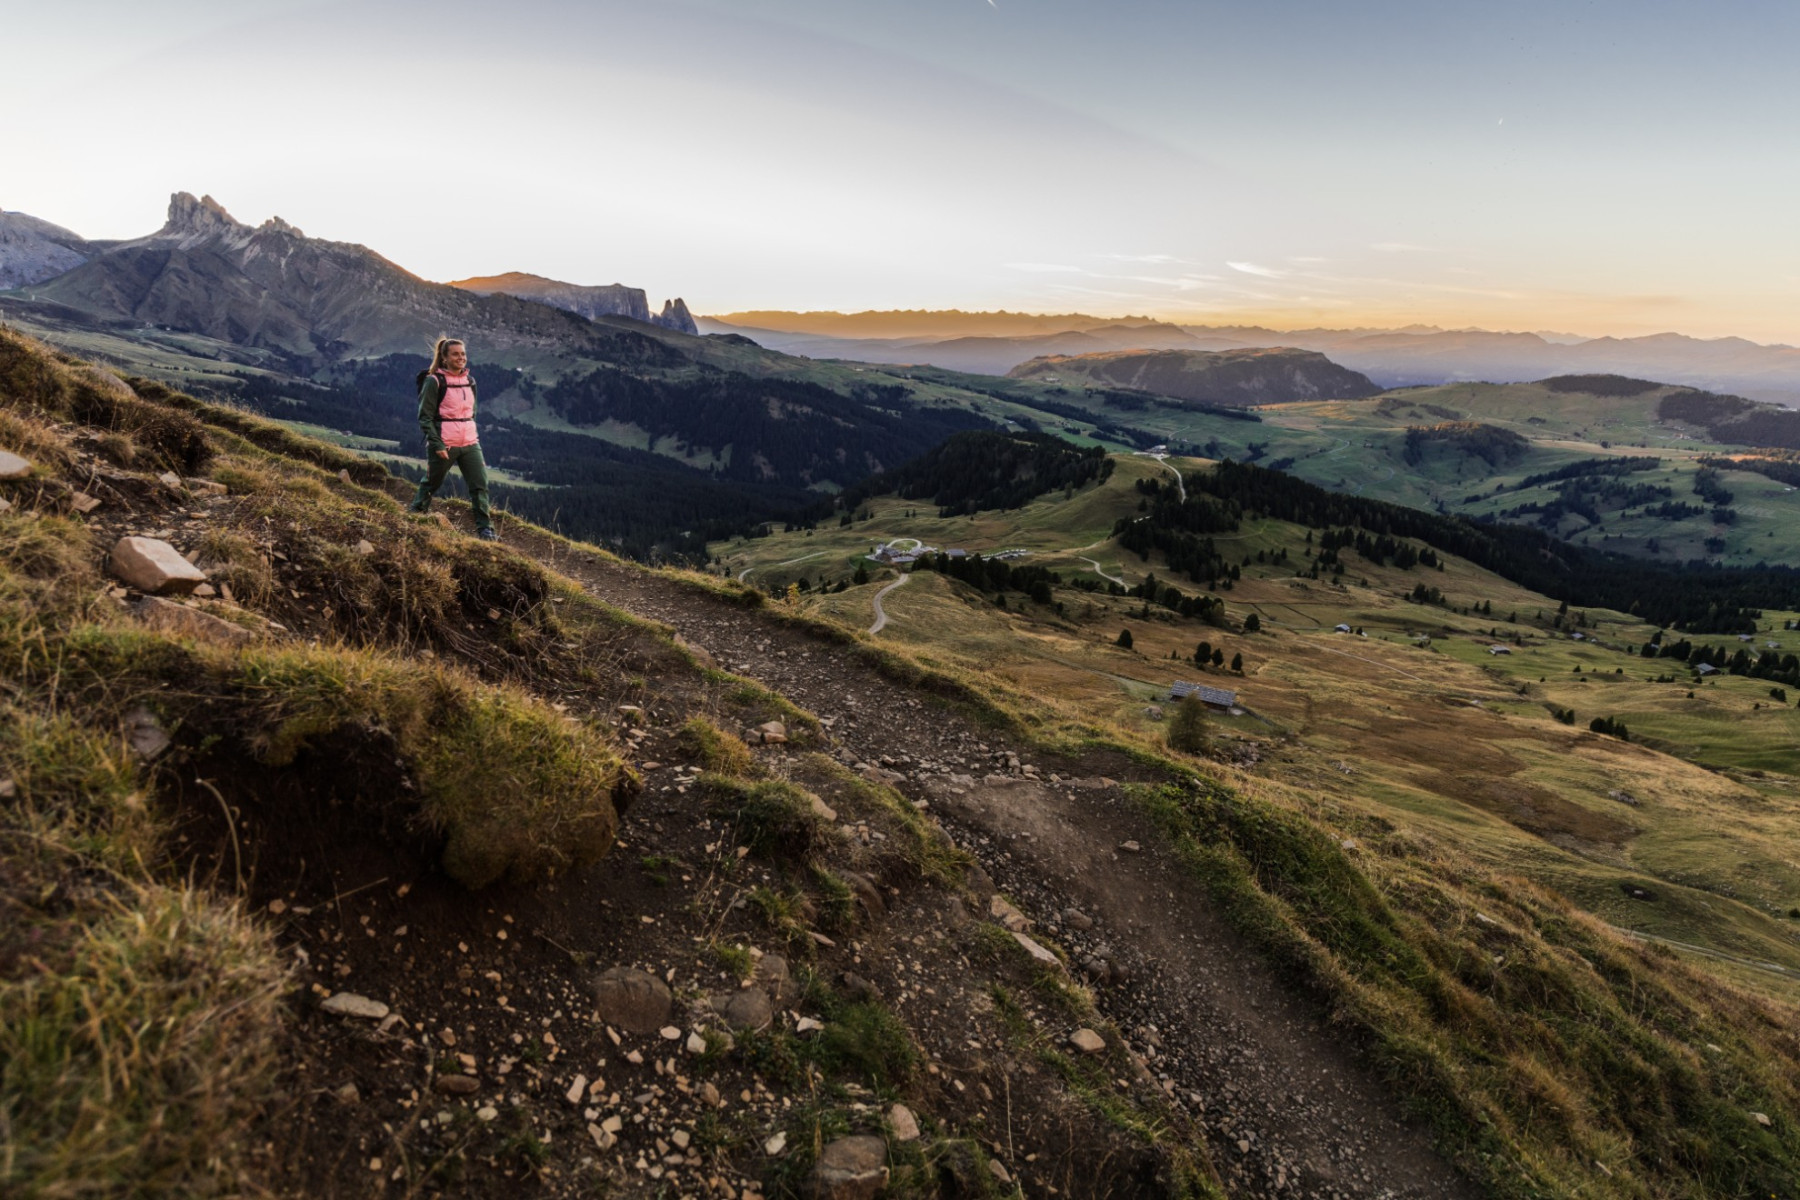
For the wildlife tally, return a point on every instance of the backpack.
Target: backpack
(419, 383)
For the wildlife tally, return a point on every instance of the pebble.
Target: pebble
(776, 1144)
(349, 1004)
(1087, 1041)
(486, 1112)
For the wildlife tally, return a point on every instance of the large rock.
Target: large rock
(903, 1123)
(850, 1168)
(747, 1009)
(154, 566)
(183, 621)
(12, 466)
(634, 1000)
(773, 976)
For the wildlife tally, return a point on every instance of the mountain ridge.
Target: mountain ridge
(1243, 377)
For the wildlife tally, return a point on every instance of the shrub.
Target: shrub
(1187, 728)
(1124, 640)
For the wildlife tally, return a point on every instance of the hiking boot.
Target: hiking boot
(421, 509)
(486, 533)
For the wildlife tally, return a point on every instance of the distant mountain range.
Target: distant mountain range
(995, 343)
(1241, 378)
(609, 300)
(303, 302)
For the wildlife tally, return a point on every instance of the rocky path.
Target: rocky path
(1290, 1110)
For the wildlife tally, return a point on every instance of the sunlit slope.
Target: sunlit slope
(1685, 832)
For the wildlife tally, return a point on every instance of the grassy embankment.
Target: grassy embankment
(140, 1015)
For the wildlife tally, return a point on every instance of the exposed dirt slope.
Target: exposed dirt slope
(1286, 1106)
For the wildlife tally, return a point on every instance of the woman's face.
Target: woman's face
(456, 357)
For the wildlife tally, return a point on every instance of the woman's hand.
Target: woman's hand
(443, 454)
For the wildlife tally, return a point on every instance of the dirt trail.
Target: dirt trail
(1289, 1108)
(881, 617)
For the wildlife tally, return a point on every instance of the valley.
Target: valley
(1685, 832)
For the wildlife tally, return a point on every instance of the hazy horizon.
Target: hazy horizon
(1611, 170)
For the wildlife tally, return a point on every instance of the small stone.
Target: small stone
(1243, 1146)
(710, 1094)
(349, 1004)
(577, 1090)
(1762, 1119)
(12, 466)
(1037, 952)
(486, 1112)
(278, 906)
(343, 474)
(776, 1144)
(808, 1025)
(206, 591)
(903, 1123)
(822, 809)
(152, 565)
(456, 1085)
(374, 1164)
(1087, 1041)
(680, 1137)
(696, 1044)
(670, 1033)
(613, 1124)
(1130, 847)
(998, 1170)
(772, 731)
(348, 1094)
(83, 503)
(1076, 919)
(447, 1036)
(602, 1139)
(774, 976)
(365, 547)
(145, 733)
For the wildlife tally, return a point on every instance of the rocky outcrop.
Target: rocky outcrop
(1238, 378)
(675, 315)
(606, 300)
(32, 251)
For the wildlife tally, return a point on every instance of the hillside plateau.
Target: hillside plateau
(1417, 355)
(389, 862)
(614, 300)
(1245, 378)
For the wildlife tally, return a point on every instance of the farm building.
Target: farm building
(1212, 697)
(1499, 649)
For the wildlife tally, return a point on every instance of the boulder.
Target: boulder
(634, 1000)
(12, 466)
(183, 621)
(850, 1168)
(153, 566)
(746, 1009)
(773, 731)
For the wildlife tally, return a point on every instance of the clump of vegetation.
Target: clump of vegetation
(1187, 727)
(718, 751)
(773, 818)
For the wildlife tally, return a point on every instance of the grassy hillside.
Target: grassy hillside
(1412, 720)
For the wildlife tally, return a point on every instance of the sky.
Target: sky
(1596, 166)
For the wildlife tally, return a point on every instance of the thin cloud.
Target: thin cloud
(1252, 269)
(1046, 268)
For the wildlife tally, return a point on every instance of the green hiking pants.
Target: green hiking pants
(474, 473)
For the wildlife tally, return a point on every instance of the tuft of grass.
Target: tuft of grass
(773, 818)
(718, 751)
(136, 1062)
(735, 959)
(783, 912)
(837, 907)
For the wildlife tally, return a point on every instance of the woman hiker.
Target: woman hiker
(447, 417)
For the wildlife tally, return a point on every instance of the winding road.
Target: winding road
(881, 613)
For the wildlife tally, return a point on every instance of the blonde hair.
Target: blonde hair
(442, 347)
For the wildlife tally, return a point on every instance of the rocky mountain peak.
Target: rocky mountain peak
(190, 216)
(277, 225)
(675, 316)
